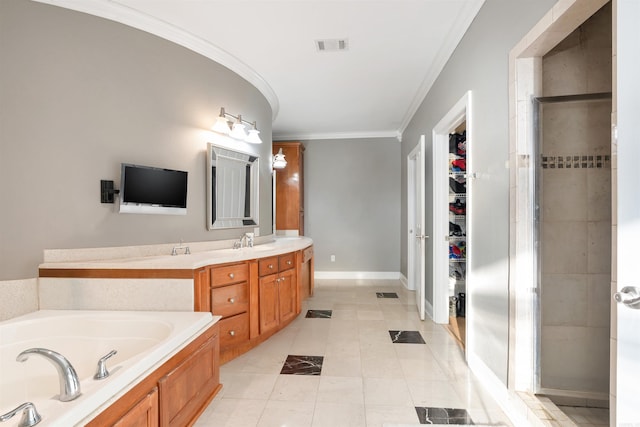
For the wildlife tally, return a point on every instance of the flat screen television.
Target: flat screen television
(150, 190)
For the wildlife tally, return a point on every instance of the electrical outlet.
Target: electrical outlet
(333, 258)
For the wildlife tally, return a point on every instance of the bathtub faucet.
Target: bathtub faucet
(30, 415)
(69, 382)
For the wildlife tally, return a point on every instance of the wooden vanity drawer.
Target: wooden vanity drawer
(287, 261)
(234, 330)
(229, 300)
(268, 266)
(235, 273)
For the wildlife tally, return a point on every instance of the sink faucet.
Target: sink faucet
(246, 241)
(69, 382)
(174, 250)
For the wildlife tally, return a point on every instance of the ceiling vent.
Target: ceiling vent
(332, 45)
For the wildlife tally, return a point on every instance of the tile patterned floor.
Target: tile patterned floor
(445, 416)
(366, 380)
(318, 314)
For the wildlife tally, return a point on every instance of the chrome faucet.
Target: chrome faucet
(174, 250)
(30, 415)
(246, 241)
(69, 382)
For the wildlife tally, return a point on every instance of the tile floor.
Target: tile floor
(366, 380)
(587, 417)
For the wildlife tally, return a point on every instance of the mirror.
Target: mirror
(232, 188)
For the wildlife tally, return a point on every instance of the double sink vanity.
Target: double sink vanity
(251, 293)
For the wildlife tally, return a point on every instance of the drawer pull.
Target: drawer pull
(232, 333)
(232, 300)
(270, 266)
(289, 262)
(231, 275)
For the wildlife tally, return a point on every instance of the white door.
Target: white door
(416, 236)
(627, 391)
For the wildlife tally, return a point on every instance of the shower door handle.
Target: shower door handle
(629, 296)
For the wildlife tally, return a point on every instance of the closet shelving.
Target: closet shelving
(457, 231)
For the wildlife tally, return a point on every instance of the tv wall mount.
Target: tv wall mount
(107, 191)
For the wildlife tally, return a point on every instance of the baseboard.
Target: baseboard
(428, 309)
(350, 275)
(586, 395)
(404, 281)
(496, 389)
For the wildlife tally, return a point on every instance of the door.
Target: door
(416, 224)
(627, 107)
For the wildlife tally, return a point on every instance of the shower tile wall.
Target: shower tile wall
(576, 212)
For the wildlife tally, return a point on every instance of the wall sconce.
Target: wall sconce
(278, 160)
(236, 130)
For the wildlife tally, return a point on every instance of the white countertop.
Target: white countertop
(279, 245)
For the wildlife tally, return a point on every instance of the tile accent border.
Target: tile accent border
(577, 161)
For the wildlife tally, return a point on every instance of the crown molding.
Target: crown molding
(464, 20)
(113, 11)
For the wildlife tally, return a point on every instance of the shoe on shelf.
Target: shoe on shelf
(460, 164)
(454, 252)
(455, 139)
(455, 229)
(458, 185)
(458, 207)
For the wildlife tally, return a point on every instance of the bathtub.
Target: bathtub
(143, 340)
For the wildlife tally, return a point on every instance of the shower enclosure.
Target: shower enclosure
(573, 215)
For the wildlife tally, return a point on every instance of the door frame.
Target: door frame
(525, 70)
(458, 114)
(414, 261)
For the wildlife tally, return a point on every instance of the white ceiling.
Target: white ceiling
(396, 49)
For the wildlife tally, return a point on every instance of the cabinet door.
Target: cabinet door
(143, 414)
(287, 294)
(186, 388)
(269, 310)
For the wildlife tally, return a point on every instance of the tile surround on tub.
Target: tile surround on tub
(116, 294)
(18, 297)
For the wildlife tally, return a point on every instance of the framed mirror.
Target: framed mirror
(232, 188)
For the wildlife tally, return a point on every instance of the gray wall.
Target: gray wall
(352, 203)
(480, 64)
(79, 95)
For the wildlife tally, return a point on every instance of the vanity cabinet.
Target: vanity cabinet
(230, 299)
(175, 394)
(277, 291)
(290, 189)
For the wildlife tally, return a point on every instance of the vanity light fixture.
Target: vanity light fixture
(236, 130)
(279, 161)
